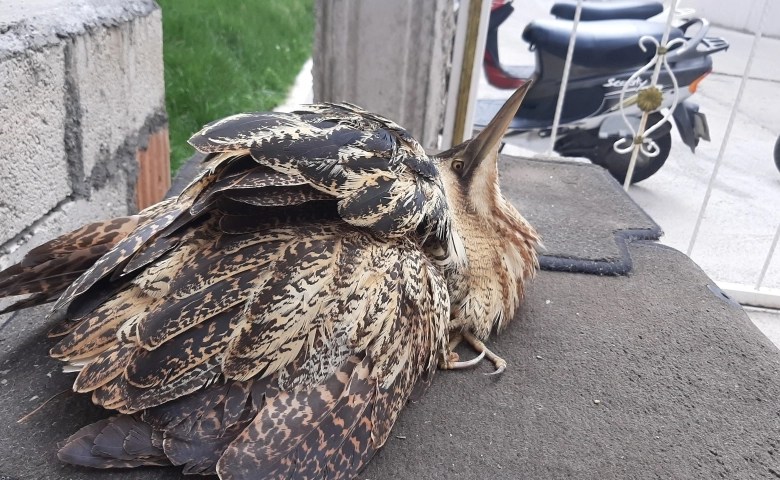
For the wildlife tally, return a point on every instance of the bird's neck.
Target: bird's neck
(500, 246)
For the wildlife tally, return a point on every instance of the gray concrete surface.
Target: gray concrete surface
(301, 92)
(36, 24)
(391, 58)
(648, 375)
(768, 321)
(106, 202)
(81, 89)
(28, 377)
(605, 383)
(557, 197)
(742, 16)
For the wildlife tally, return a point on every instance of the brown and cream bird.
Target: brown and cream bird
(273, 319)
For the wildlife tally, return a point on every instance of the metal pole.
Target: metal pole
(464, 86)
(565, 79)
(768, 259)
(468, 50)
(733, 116)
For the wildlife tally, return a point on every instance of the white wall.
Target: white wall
(740, 15)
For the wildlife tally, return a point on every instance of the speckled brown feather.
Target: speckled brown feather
(121, 252)
(118, 442)
(50, 268)
(353, 267)
(272, 320)
(369, 163)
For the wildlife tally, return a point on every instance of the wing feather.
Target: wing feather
(49, 269)
(98, 330)
(278, 196)
(188, 350)
(122, 251)
(274, 317)
(107, 232)
(104, 368)
(344, 326)
(380, 175)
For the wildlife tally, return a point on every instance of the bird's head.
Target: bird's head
(469, 171)
(499, 244)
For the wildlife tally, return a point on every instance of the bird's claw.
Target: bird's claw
(500, 364)
(468, 363)
(479, 346)
(452, 363)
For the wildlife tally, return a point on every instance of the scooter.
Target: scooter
(606, 55)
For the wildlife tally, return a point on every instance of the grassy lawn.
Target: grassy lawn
(225, 57)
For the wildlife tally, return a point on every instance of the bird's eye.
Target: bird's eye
(457, 165)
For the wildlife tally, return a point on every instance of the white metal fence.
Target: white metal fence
(753, 294)
(744, 294)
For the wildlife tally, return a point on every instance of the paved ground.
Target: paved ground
(742, 215)
(606, 383)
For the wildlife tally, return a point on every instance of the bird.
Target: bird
(272, 320)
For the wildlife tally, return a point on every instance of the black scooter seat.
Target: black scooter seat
(603, 44)
(626, 9)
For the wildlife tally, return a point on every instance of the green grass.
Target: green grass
(225, 57)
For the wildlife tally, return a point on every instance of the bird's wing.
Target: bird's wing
(322, 329)
(49, 269)
(380, 175)
(281, 272)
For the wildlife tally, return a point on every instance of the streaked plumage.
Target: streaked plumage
(273, 319)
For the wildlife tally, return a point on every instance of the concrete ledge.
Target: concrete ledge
(643, 376)
(745, 295)
(649, 375)
(37, 24)
(81, 93)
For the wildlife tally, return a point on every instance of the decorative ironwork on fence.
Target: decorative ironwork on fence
(649, 99)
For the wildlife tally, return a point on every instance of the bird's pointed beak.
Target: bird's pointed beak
(488, 139)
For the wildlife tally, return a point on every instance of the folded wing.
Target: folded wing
(271, 320)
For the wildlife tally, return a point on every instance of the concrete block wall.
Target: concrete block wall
(82, 115)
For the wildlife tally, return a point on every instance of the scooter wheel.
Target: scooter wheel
(777, 154)
(617, 163)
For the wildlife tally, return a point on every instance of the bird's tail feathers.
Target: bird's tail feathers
(46, 271)
(246, 430)
(118, 442)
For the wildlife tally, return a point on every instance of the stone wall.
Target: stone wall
(389, 57)
(82, 115)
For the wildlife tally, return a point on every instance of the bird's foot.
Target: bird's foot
(452, 363)
(479, 346)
